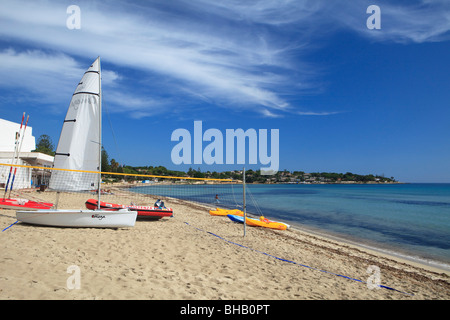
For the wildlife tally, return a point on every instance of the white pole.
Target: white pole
(21, 139)
(16, 144)
(18, 155)
(99, 133)
(245, 211)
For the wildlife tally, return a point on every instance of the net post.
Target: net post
(244, 206)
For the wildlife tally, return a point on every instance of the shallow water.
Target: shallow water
(408, 219)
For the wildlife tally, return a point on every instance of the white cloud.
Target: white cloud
(38, 72)
(234, 53)
(415, 21)
(47, 78)
(213, 62)
(310, 113)
(274, 12)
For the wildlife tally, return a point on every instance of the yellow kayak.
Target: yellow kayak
(263, 222)
(224, 212)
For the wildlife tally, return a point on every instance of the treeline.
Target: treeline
(333, 177)
(251, 176)
(45, 145)
(314, 177)
(163, 171)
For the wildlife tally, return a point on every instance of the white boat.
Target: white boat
(79, 218)
(79, 148)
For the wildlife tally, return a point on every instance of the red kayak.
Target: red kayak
(23, 204)
(143, 211)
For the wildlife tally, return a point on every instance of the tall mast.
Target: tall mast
(79, 146)
(99, 132)
(244, 204)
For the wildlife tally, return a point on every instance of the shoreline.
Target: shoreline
(372, 248)
(198, 256)
(429, 264)
(432, 263)
(364, 244)
(121, 189)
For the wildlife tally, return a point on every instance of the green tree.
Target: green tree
(105, 161)
(45, 145)
(199, 174)
(114, 165)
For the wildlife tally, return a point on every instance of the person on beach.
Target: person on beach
(217, 198)
(159, 204)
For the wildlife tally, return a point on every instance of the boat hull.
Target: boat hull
(225, 212)
(236, 218)
(23, 204)
(79, 218)
(259, 223)
(266, 224)
(142, 211)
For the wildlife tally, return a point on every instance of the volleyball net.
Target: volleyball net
(53, 184)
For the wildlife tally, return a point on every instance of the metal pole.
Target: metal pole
(16, 144)
(99, 134)
(245, 211)
(55, 205)
(18, 155)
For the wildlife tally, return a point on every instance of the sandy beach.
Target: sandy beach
(196, 256)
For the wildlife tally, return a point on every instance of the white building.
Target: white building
(25, 177)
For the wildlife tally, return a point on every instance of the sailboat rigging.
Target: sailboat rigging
(79, 148)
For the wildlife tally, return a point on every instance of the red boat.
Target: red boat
(23, 204)
(143, 211)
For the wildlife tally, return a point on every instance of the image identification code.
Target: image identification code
(228, 309)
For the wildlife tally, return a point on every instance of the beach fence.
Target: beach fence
(54, 184)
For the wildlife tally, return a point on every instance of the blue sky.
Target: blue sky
(343, 97)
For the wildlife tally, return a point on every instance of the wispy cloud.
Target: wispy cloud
(310, 113)
(414, 21)
(43, 77)
(228, 63)
(235, 54)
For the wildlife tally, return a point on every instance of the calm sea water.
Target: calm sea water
(412, 220)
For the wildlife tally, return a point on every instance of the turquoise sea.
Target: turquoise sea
(410, 220)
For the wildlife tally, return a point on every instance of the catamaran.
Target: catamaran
(79, 148)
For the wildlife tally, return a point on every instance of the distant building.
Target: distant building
(25, 177)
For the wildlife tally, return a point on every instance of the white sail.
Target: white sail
(78, 146)
(79, 149)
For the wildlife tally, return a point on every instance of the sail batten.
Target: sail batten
(84, 92)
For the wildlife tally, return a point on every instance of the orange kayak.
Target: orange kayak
(263, 222)
(225, 212)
